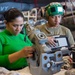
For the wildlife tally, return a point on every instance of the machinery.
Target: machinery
(47, 59)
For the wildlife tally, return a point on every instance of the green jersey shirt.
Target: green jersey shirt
(9, 44)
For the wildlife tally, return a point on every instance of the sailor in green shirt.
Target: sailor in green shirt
(13, 48)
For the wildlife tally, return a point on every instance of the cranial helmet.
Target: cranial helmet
(54, 8)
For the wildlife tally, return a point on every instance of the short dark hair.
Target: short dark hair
(12, 14)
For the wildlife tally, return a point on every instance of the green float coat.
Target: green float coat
(9, 44)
